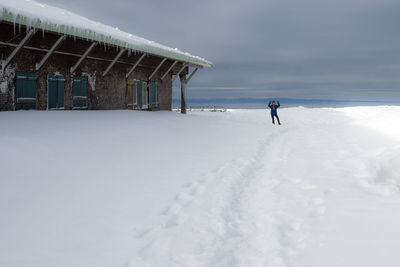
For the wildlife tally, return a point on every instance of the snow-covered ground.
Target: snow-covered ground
(127, 188)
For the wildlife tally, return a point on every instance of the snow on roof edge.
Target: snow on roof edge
(48, 18)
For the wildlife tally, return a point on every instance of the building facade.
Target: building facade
(47, 69)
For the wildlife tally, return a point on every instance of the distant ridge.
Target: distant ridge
(256, 103)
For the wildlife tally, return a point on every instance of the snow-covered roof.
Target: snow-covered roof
(37, 15)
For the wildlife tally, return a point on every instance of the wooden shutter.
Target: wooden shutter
(131, 94)
(145, 94)
(55, 91)
(26, 90)
(79, 92)
(60, 91)
(153, 92)
(139, 94)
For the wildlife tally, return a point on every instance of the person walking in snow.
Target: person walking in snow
(274, 113)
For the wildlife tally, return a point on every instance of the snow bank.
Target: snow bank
(384, 169)
(383, 119)
(46, 17)
(388, 174)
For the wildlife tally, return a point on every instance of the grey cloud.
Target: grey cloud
(309, 48)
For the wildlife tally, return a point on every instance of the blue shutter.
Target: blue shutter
(52, 91)
(79, 92)
(139, 94)
(55, 91)
(60, 91)
(153, 91)
(26, 90)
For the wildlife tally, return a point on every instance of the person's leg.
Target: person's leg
(272, 116)
(278, 119)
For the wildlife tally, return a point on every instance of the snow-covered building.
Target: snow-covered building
(54, 59)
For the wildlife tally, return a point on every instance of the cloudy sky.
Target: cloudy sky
(313, 49)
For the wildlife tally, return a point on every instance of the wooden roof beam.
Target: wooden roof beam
(50, 52)
(136, 64)
(191, 75)
(179, 72)
(27, 37)
(158, 67)
(73, 68)
(170, 68)
(113, 62)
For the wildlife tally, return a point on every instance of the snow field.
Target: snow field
(76, 187)
(206, 189)
(267, 209)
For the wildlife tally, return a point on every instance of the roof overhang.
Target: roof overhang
(94, 31)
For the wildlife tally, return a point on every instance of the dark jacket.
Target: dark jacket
(274, 107)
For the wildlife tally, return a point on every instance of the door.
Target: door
(131, 94)
(79, 92)
(26, 90)
(153, 94)
(55, 91)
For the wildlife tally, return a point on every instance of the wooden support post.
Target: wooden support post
(183, 92)
(158, 67)
(134, 66)
(184, 83)
(73, 68)
(18, 48)
(169, 69)
(113, 62)
(50, 52)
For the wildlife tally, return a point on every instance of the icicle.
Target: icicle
(15, 20)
